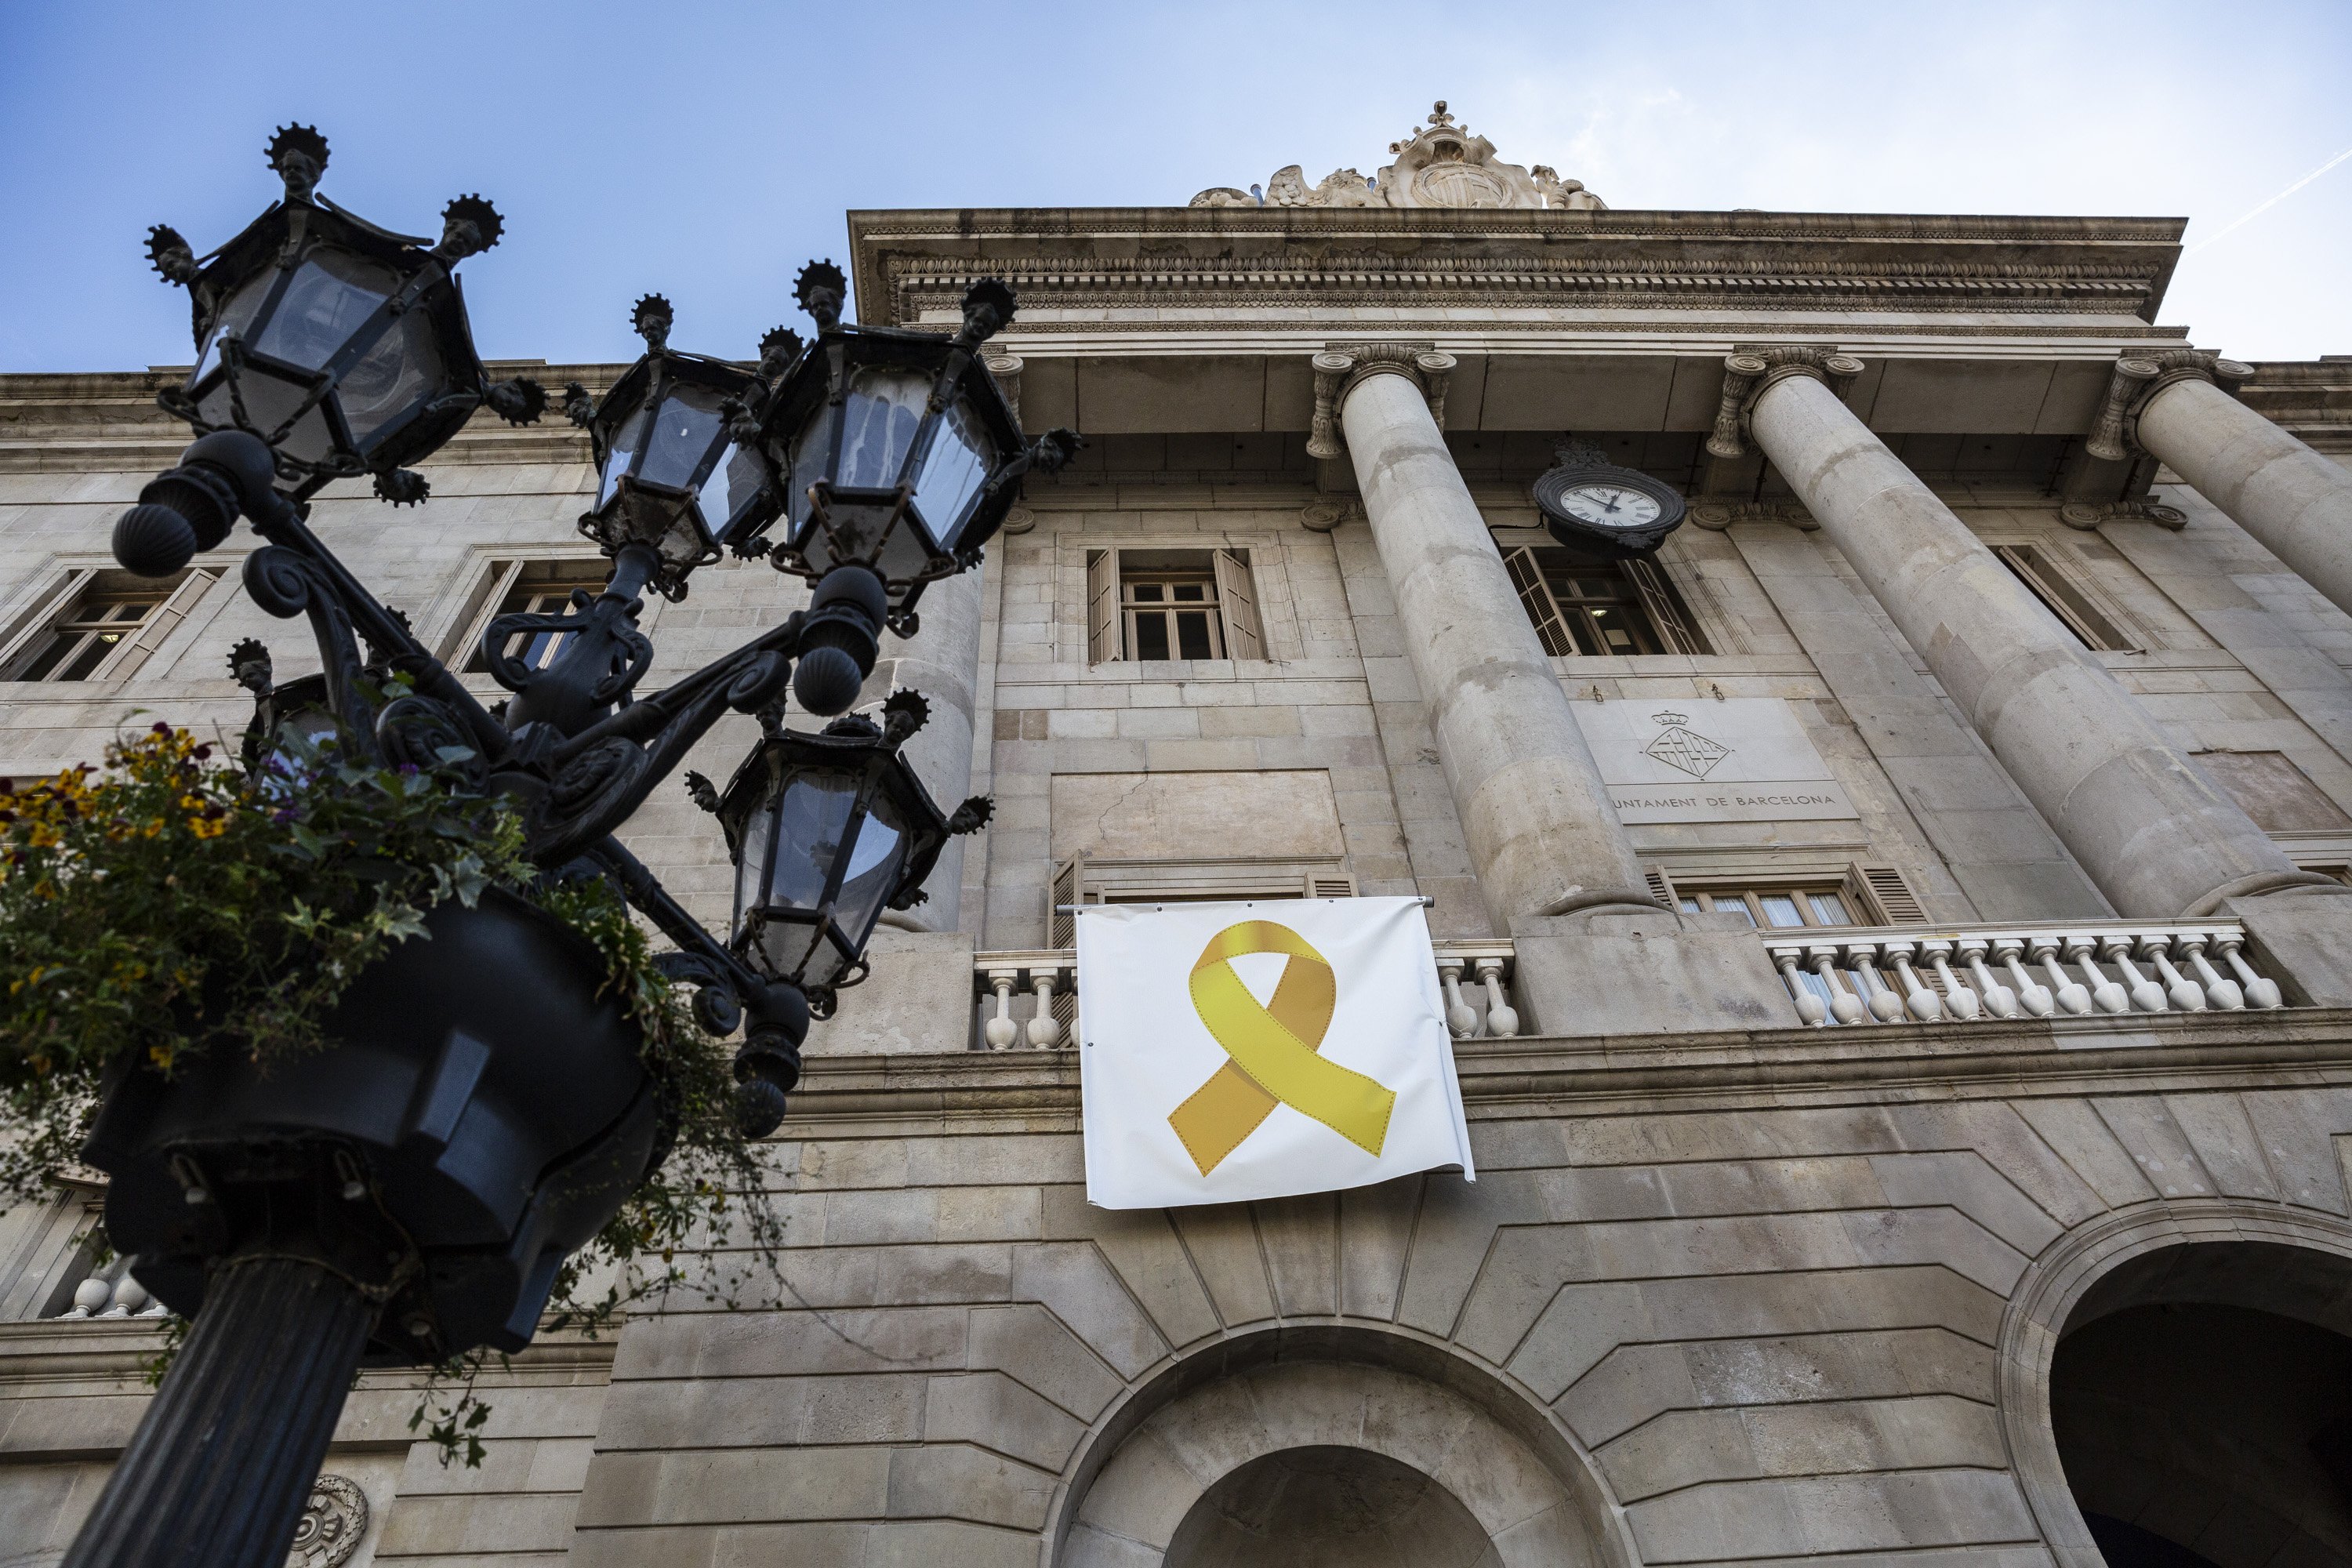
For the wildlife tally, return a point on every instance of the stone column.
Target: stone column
(2295, 502)
(942, 662)
(2151, 831)
(1542, 834)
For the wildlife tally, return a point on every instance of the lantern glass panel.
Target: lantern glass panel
(728, 493)
(811, 819)
(953, 472)
(621, 454)
(331, 295)
(234, 319)
(270, 401)
(689, 421)
(808, 465)
(882, 412)
(399, 374)
(876, 860)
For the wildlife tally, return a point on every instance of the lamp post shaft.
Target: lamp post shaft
(219, 1470)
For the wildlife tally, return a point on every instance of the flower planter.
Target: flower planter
(481, 1112)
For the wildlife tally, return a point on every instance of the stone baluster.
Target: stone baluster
(1962, 1002)
(2296, 503)
(2106, 995)
(2031, 995)
(1501, 1021)
(1884, 1004)
(90, 1297)
(2071, 995)
(1045, 1029)
(1001, 1031)
(1919, 997)
(1809, 1007)
(1542, 834)
(1999, 1000)
(2259, 992)
(2224, 992)
(2154, 834)
(2146, 994)
(1844, 1005)
(2179, 990)
(1460, 1016)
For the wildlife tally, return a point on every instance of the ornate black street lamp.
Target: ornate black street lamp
(326, 1209)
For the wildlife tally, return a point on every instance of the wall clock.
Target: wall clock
(1591, 503)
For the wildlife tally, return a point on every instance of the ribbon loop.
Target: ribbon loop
(1275, 1050)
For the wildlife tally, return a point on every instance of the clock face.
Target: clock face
(1605, 505)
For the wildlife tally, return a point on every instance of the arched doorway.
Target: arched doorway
(2200, 1400)
(1306, 1507)
(1333, 1446)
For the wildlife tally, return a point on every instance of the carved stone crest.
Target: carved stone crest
(1441, 164)
(333, 1520)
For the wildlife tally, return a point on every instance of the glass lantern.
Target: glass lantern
(827, 831)
(343, 346)
(894, 450)
(670, 474)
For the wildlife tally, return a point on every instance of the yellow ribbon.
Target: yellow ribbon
(1274, 1050)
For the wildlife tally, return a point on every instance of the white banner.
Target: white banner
(1258, 1050)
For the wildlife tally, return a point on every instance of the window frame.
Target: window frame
(2063, 585)
(1665, 613)
(1875, 894)
(501, 579)
(1237, 627)
(55, 613)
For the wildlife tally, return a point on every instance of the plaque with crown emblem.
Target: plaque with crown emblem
(1592, 504)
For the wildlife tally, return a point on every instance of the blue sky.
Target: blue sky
(705, 151)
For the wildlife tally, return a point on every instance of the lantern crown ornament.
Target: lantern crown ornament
(343, 346)
(894, 450)
(673, 471)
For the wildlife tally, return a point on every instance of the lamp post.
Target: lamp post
(328, 1210)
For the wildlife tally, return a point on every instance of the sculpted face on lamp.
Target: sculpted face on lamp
(891, 453)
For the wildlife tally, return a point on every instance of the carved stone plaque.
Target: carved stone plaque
(1743, 759)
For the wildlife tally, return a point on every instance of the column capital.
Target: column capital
(1750, 368)
(2139, 377)
(1340, 368)
(1005, 368)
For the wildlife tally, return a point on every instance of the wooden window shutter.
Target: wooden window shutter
(1238, 602)
(1330, 885)
(462, 649)
(1884, 890)
(1102, 605)
(161, 622)
(36, 621)
(2054, 584)
(1662, 886)
(1551, 630)
(1066, 890)
(1659, 598)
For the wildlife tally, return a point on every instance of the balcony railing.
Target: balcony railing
(1959, 974)
(1031, 998)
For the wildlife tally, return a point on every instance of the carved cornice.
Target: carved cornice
(2139, 377)
(914, 285)
(1122, 270)
(1748, 371)
(1342, 367)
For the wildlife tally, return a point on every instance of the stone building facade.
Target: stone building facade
(1895, 936)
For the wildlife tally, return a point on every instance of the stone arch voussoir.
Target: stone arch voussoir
(1344, 1384)
(2076, 1279)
